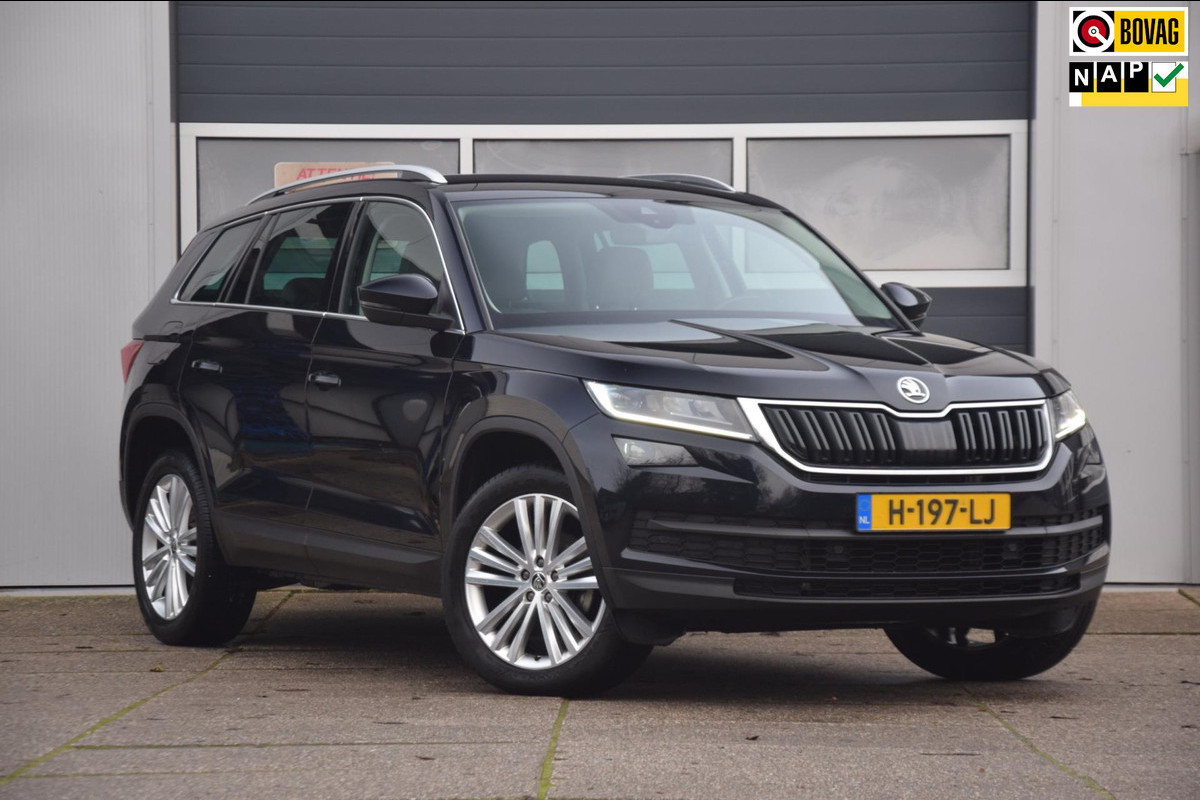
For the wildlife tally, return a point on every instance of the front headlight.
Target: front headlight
(1066, 415)
(699, 413)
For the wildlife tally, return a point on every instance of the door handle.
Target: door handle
(324, 380)
(206, 366)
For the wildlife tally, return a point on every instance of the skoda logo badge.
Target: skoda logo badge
(913, 390)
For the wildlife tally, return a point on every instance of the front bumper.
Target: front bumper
(744, 542)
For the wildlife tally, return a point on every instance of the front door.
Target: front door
(375, 411)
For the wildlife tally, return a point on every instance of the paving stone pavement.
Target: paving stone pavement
(360, 695)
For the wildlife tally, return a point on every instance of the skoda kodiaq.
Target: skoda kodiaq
(593, 414)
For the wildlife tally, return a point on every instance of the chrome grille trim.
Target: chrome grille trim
(752, 407)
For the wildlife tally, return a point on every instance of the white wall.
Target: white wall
(87, 203)
(1112, 309)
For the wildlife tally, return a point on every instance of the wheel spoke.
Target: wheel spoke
(581, 623)
(510, 625)
(478, 578)
(563, 628)
(185, 510)
(181, 592)
(578, 584)
(488, 623)
(548, 636)
(504, 548)
(582, 565)
(156, 579)
(188, 550)
(577, 548)
(553, 527)
(523, 528)
(152, 561)
(539, 525)
(162, 508)
(154, 521)
(517, 648)
(495, 562)
(169, 582)
(188, 564)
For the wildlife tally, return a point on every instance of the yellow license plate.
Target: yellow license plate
(975, 511)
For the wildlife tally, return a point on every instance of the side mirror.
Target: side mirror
(402, 300)
(913, 302)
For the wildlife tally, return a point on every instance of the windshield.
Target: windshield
(580, 261)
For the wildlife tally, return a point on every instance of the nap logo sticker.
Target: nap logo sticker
(1125, 84)
(1128, 30)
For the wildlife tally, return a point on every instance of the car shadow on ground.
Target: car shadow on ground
(714, 669)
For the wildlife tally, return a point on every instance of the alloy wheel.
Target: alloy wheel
(169, 546)
(531, 589)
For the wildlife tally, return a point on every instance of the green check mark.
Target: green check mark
(1170, 75)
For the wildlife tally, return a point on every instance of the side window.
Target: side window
(392, 239)
(297, 259)
(204, 286)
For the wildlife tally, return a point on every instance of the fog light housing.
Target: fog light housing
(640, 453)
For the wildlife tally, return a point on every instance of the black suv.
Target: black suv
(592, 414)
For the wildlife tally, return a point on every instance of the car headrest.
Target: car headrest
(304, 293)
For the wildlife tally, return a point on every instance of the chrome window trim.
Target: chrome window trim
(332, 314)
(246, 218)
(752, 408)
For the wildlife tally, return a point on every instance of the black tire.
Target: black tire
(950, 653)
(602, 661)
(217, 602)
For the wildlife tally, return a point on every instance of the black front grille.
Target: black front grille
(862, 438)
(905, 588)
(866, 554)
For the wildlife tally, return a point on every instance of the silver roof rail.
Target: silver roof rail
(683, 177)
(426, 173)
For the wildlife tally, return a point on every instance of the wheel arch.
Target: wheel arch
(151, 430)
(494, 445)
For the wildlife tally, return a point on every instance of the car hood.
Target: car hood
(775, 361)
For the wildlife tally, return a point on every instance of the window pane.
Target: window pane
(297, 259)
(209, 276)
(231, 171)
(695, 156)
(903, 203)
(393, 239)
(585, 260)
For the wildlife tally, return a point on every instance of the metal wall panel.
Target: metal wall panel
(995, 315)
(78, 202)
(611, 62)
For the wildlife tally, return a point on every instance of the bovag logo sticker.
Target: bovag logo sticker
(1142, 30)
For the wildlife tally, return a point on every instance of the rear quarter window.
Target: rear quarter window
(207, 280)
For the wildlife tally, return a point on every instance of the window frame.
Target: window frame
(234, 270)
(449, 303)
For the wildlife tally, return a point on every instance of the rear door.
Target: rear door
(375, 409)
(245, 382)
